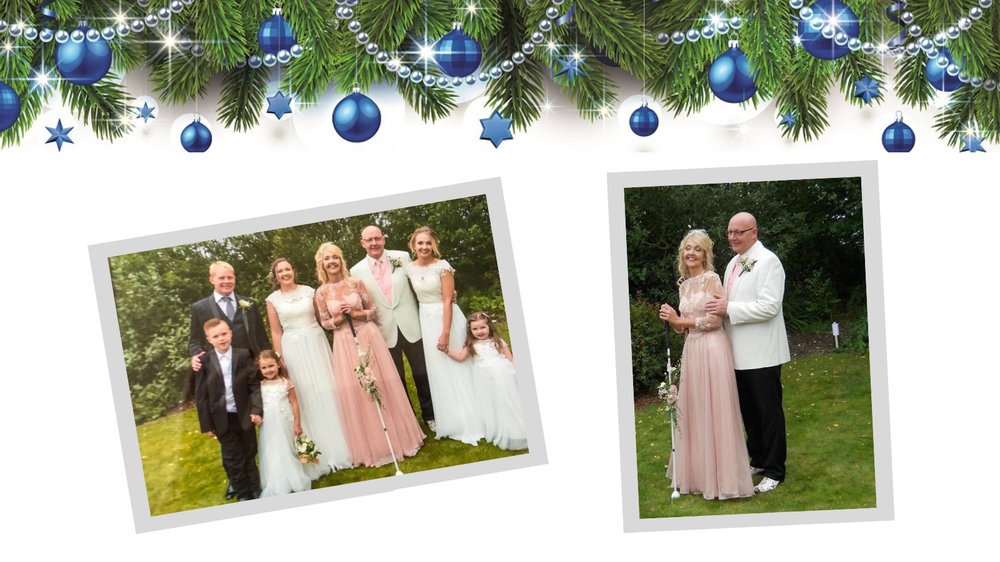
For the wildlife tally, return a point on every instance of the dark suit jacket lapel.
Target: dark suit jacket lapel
(246, 324)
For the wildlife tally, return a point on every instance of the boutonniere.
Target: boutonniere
(746, 266)
(394, 263)
(245, 305)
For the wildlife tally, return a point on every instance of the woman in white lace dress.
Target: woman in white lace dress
(711, 456)
(450, 381)
(302, 346)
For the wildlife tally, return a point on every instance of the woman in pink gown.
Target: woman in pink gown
(341, 294)
(710, 454)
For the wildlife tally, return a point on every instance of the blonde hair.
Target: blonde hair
(219, 265)
(335, 250)
(434, 239)
(700, 237)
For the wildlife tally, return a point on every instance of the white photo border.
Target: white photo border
(868, 172)
(99, 254)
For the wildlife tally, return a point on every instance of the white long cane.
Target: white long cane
(673, 440)
(377, 407)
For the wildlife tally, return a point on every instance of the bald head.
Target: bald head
(373, 241)
(742, 232)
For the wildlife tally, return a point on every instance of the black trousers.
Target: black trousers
(763, 419)
(415, 355)
(239, 458)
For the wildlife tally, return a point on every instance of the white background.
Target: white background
(63, 473)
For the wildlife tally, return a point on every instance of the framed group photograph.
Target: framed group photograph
(319, 354)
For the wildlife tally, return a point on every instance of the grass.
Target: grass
(831, 459)
(183, 468)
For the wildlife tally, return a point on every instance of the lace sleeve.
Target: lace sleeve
(443, 266)
(712, 286)
(325, 318)
(367, 303)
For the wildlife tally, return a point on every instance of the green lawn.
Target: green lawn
(831, 460)
(183, 469)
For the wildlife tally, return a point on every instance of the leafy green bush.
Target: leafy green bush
(491, 304)
(856, 335)
(649, 347)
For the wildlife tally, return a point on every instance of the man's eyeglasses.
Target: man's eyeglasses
(373, 239)
(732, 233)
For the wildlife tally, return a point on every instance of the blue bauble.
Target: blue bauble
(356, 118)
(457, 54)
(83, 63)
(937, 75)
(196, 137)
(898, 137)
(10, 107)
(275, 34)
(834, 13)
(730, 78)
(644, 121)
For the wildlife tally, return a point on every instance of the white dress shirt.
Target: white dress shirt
(226, 362)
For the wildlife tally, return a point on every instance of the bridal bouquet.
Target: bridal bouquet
(667, 391)
(308, 453)
(365, 376)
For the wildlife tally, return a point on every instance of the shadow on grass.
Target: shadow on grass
(831, 459)
(183, 468)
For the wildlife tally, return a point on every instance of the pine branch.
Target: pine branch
(911, 85)
(621, 35)
(310, 75)
(595, 94)
(485, 22)
(243, 94)
(390, 19)
(180, 77)
(14, 68)
(517, 95)
(850, 69)
(804, 93)
(431, 103)
(103, 106)
(219, 27)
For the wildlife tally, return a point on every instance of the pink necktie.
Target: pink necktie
(732, 277)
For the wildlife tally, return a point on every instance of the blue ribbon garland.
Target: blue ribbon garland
(564, 19)
(890, 13)
(47, 14)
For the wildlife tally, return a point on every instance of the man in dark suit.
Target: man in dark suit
(240, 313)
(227, 393)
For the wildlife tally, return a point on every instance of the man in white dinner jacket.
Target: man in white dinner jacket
(398, 315)
(755, 285)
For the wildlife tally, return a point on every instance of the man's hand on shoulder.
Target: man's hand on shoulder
(718, 305)
(196, 362)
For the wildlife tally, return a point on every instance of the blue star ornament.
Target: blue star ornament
(496, 129)
(972, 144)
(866, 89)
(571, 68)
(145, 112)
(59, 135)
(279, 105)
(789, 120)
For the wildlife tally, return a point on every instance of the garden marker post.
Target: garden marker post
(377, 407)
(670, 381)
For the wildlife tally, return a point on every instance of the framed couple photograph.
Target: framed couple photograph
(315, 355)
(750, 346)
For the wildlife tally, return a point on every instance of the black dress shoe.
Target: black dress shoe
(230, 493)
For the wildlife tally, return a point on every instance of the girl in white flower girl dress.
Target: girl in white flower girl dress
(497, 400)
(281, 471)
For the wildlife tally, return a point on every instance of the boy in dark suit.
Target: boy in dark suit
(239, 312)
(227, 393)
